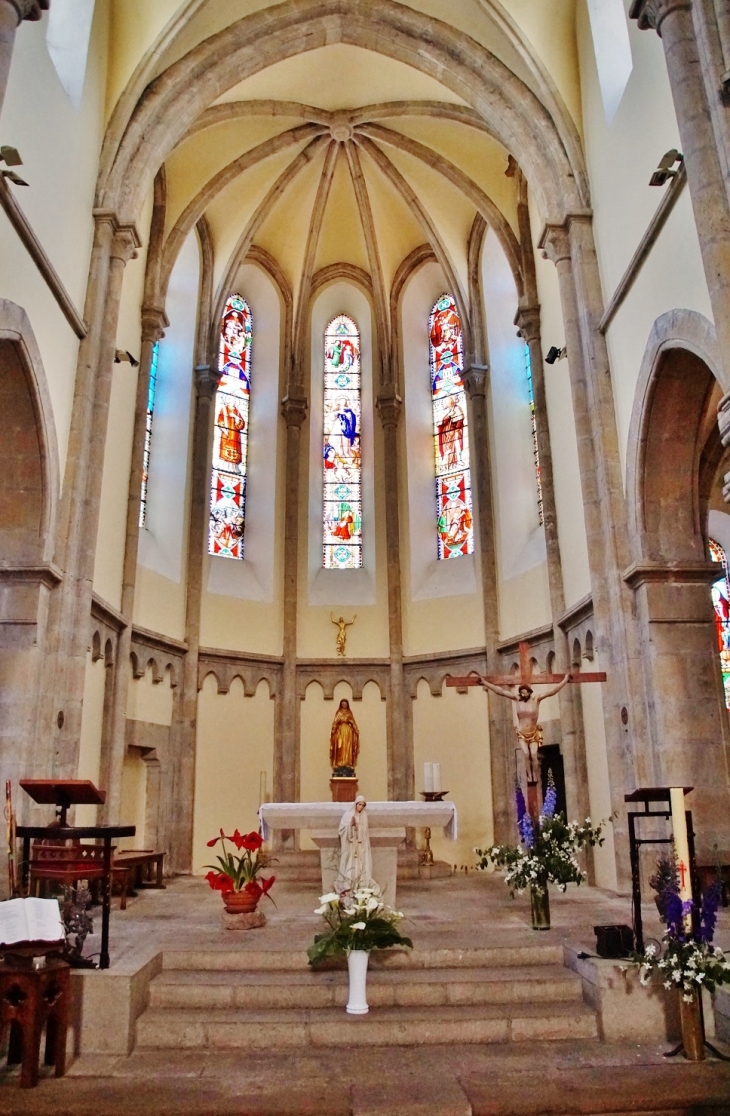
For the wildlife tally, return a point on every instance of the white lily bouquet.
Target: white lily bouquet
(357, 920)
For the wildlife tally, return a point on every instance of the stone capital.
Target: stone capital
(554, 243)
(206, 381)
(125, 240)
(31, 10)
(650, 14)
(154, 323)
(475, 380)
(390, 407)
(294, 410)
(527, 320)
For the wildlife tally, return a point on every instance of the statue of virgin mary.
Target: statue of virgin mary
(356, 859)
(344, 740)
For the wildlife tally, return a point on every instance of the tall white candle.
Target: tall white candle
(681, 841)
(428, 777)
(436, 777)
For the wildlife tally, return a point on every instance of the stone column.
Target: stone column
(12, 14)
(154, 321)
(527, 321)
(571, 249)
(286, 743)
(672, 20)
(114, 245)
(401, 780)
(183, 758)
(476, 382)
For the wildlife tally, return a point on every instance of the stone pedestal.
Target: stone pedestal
(384, 844)
(252, 921)
(343, 788)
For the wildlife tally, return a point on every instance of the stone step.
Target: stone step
(160, 1028)
(277, 960)
(407, 988)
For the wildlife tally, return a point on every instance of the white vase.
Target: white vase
(357, 967)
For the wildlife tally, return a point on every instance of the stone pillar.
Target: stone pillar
(476, 380)
(114, 245)
(527, 321)
(630, 761)
(401, 779)
(183, 747)
(12, 14)
(286, 742)
(153, 322)
(672, 20)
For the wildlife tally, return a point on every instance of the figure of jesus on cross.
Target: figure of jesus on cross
(518, 688)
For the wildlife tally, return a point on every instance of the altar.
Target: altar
(388, 823)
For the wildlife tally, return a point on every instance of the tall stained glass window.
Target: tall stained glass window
(533, 420)
(151, 390)
(450, 432)
(721, 603)
(230, 445)
(342, 460)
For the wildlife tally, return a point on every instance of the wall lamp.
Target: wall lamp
(123, 356)
(664, 170)
(11, 157)
(554, 354)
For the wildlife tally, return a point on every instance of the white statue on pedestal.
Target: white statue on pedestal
(356, 858)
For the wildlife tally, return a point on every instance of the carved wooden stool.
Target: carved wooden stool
(33, 999)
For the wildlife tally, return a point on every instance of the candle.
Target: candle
(681, 841)
(436, 777)
(428, 777)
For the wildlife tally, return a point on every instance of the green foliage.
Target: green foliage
(550, 857)
(357, 921)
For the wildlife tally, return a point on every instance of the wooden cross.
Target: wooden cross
(525, 676)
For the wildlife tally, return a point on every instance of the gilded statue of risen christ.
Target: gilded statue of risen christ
(344, 738)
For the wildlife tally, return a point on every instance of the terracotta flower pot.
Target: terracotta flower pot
(239, 902)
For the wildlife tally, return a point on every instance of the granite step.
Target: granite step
(277, 960)
(416, 987)
(206, 1028)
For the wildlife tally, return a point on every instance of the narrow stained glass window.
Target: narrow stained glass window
(533, 420)
(342, 461)
(148, 434)
(721, 603)
(450, 432)
(230, 445)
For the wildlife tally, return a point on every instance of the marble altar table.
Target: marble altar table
(387, 827)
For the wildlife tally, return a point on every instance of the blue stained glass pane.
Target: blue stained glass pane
(151, 392)
(533, 420)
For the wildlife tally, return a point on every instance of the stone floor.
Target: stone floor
(518, 1079)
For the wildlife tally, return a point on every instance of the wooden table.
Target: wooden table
(34, 999)
(105, 833)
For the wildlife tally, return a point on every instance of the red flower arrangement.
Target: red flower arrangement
(240, 873)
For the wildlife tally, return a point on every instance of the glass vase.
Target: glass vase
(693, 1032)
(540, 904)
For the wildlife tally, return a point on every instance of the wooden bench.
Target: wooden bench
(144, 866)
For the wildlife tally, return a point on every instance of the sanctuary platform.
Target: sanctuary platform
(485, 1017)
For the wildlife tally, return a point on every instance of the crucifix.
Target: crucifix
(518, 688)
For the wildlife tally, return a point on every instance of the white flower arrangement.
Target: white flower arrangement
(356, 920)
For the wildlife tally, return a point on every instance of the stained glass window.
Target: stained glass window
(230, 445)
(148, 434)
(533, 420)
(342, 461)
(450, 432)
(721, 602)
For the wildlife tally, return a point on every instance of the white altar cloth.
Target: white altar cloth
(381, 815)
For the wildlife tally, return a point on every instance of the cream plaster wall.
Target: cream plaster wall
(365, 590)
(150, 701)
(563, 441)
(522, 584)
(235, 744)
(92, 719)
(60, 148)
(620, 161)
(160, 596)
(442, 604)
(242, 605)
(316, 721)
(453, 730)
(599, 792)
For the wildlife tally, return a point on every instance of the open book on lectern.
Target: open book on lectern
(30, 920)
